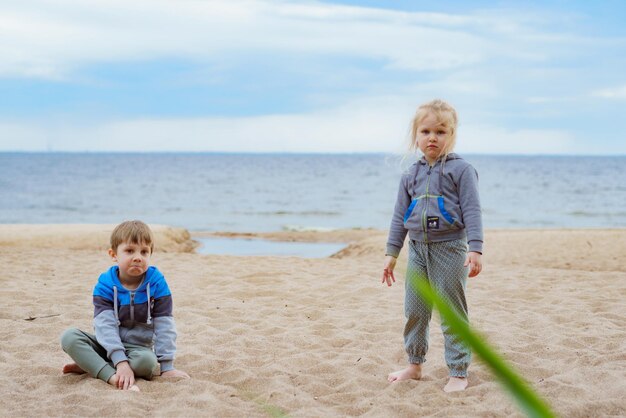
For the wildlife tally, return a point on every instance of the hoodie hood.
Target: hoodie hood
(450, 157)
(111, 277)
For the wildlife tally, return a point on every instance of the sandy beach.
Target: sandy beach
(261, 336)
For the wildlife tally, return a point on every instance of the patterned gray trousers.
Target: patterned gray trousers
(441, 263)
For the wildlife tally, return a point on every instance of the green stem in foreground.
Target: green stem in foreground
(271, 410)
(528, 400)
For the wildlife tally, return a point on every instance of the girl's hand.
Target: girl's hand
(474, 260)
(390, 264)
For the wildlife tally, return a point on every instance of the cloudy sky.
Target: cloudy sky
(533, 77)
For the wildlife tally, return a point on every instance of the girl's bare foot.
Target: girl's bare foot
(72, 368)
(113, 382)
(413, 371)
(455, 384)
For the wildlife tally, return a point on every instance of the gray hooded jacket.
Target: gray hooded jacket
(437, 203)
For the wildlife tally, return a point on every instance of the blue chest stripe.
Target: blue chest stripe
(409, 210)
(443, 210)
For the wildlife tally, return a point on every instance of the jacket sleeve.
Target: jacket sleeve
(106, 326)
(397, 231)
(164, 327)
(470, 208)
(165, 341)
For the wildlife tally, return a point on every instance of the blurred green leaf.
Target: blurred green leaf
(528, 400)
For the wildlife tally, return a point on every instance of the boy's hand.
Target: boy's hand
(125, 375)
(175, 373)
(390, 264)
(474, 260)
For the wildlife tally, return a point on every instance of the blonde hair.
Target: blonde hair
(445, 114)
(132, 232)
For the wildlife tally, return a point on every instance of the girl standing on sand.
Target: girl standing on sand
(438, 205)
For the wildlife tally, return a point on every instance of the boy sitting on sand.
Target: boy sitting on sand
(132, 313)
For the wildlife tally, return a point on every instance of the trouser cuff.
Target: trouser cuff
(458, 371)
(105, 373)
(416, 359)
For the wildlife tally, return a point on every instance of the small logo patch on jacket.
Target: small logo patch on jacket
(432, 222)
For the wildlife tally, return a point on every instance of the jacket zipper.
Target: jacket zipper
(424, 223)
(132, 306)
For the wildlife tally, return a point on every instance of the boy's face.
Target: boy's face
(132, 259)
(432, 137)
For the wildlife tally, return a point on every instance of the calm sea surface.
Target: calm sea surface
(255, 193)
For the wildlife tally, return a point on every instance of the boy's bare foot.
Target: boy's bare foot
(413, 371)
(72, 368)
(113, 382)
(175, 374)
(455, 384)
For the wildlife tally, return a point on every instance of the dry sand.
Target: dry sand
(317, 337)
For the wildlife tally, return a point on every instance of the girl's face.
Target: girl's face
(432, 137)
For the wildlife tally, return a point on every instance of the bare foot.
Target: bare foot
(175, 374)
(413, 371)
(113, 382)
(72, 368)
(455, 384)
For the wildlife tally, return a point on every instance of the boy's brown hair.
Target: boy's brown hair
(132, 232)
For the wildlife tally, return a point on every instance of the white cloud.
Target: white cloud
(489, 139)
(618, 92)
(543, 99)
(23, 137)
(51, 38)
(357, 127)
(493, 66)
(370, 125)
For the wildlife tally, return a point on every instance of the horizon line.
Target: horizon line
(296, 153)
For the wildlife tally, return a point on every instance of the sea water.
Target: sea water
(272, 192)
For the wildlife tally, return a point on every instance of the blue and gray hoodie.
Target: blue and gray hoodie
(437, 203)
(142, 316)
